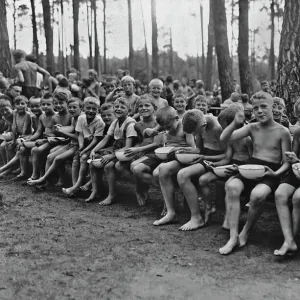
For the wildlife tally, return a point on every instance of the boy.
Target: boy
(58, 157)
(90, 128)
(124, 135)
(237, 153)
(179, 103)
(201, 103)
(207, 131)
(155, 89)
(110, 85)
(270, 141)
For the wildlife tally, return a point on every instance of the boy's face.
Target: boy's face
(179, 104)
(110, 86)
(47, 105)
(120, 110)
(108, 116)
(92, 76)
(15, 91)
(60, 106)
(145, 108)
(155, 90)
(128, 87)
(6, 111)
(201, 105)
(71, 79)
(91, 110)
(74, 109)
(262, 109)
(35, 107)
(265, 87)
(21, 106)
(278, 110)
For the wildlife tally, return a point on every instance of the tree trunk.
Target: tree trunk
(243, 48)
(221, 39)
(155, 63)
(272, 54)
(202, 42)
(210, 47)
(171, 53)
(90, 59)
(35, 42)
(76, 61)
(146, 47)
(5, 58)
(288, 84)
(15, 24)
(48, 35)
(104, 37)
(63, 62)
(96, 58)
(131, 51)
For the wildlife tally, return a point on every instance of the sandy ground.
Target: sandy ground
(52, 247)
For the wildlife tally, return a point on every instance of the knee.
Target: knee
(281, 198)
(138, 169)
(22, 150)
(57, 159)
(232, 190)
(203, 181)
(109, 167)
(83, 158)
(163, 171)
(118, 166)
(34, 151)
(257, 198)
(182, 177)
(296, 200)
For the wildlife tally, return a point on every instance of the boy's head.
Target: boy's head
(194, 121)
(169, 79)
(227, 116)
(262, 106)
(86, 82)
(128, 82)
(14, 90)
(201, 103)
(107, 113)
(47, 103)
(179, 103)
(167, 117)
(146, 106)
(75, 106)
(91, 107)
(63, 82)
(92, 74)
(60, 102)
(245, 98)
(120, 74)
(30, 57)
(20, 103)
(111, 84)
(35, 105)
(18, 55)
(176, 84)
(199, 84)
(278, 108)
(264, 86)
(155, 87)
(5, 107)
(72, 77)
(235, 97)
(121, 108)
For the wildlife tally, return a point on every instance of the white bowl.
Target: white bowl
(296, 170)
(221, 171)
(97, 162)
(120, 154)
(251, 171)
(186, 158)
(162, 152)
(293, 128)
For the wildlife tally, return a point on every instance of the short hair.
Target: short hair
(180, 96)
(111, 79)
(74, 75)
(156, 81)
(92, 71)
(61, 96)
(4, 97)
(30, 57)
(262, 95)
(5, 103)
(63, 82)
(169, 79)
(228, 114)
(176, 83)
(148, 98)
(120, 71)
(264, 82)
(245, 98)
(105, 107)
(296, 109)
(191, 119)
(200, 82)
(93, 100)
(86, 81)
(235, 97)
(20, 98)
(279, 100)
(201, 98)
(122, 100)
(75, 100)
(14, 84)
(166, 115)
(127, 78)
(18, 54)
(34, 98)
(47, 96)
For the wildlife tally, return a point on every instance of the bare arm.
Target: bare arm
(102, 143)
(27, 124)
(227, 158)
(20, 75)
(38, 132)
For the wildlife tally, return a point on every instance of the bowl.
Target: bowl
(162, 152)
(251, 171)
(296, 170)
(186, 158)
(221, 171)
(293, 128)
(97, 162)
(120, 154)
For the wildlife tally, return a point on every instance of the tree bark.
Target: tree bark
(210, 47)
(5, 57)
(288, 67)
(90, 58)
(171, 53)
(104, 37)
(131, 51)
(202, 42)
(146, 47)
(243, 48)
(155, 63)
(272, 54)
(96, 58)
(76, 61)
(222, 49)
(15, 24)
(35, 42)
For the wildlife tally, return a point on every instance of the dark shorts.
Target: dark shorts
(209, 152)
(30, 91)
(152, 161)
(271, 182)
(291, 179)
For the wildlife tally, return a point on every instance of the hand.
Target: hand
(209, 165)
(148, 132)
(40, 142)
(188, 150)
(131, 151)
(268, 172)
(239, 118)
(291, 157)
(171, 154)
(82, 152)
(93, 155)
(231, 170)
(197, 159)
(107, 158)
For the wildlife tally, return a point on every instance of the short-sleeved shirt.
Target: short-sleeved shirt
(95, 128)
(118, 132)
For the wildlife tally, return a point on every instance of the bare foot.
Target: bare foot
(286, 249)
(141, 198)
(225, 225)
(108, 201)
(230, 245)
(70, 192)
(59, 184)
(243, 238)
(169, 218)
(93, 196)
(33, 182)
(193, 224)
(86, 187)
(164, 211)
(17, 171)
(208, 212)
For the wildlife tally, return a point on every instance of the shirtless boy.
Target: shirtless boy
(270, 141)
(155, 89)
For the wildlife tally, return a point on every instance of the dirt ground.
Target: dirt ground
(52, 247)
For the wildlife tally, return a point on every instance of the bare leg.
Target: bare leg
(190, 192)
(257, 199)
(35, 163)
(296, 212)
(24, 155)
(43, 150)
(123, 168)
(234, 189)
(111, 179)
(11, 164)
(97, 181)
(3, 153)
(143, 172)
(75, 169)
